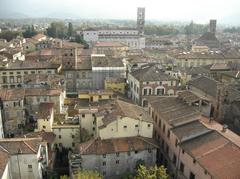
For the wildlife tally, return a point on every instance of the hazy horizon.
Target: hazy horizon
(171, 10)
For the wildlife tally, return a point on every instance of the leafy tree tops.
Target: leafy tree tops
(30, 32)
(151, 173)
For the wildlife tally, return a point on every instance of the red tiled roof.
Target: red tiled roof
(21, 145)
(223, 162)
(99, 147)
(46, 136)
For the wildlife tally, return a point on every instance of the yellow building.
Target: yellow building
(197, 48)
(115, 84)
(95, 95)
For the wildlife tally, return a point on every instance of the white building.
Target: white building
(22, 158)
(115, 157)
(129, 37)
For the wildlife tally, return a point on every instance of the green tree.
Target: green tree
(79, 39)
(64, 177)
(30, 32)
(9, 35)
(70, 29)
(160, 30)
(87, 174)
(151, 173)
(57, 30)
(193, 28)
(232, 30)
(139, 163)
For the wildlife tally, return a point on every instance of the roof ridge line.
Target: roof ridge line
(4, 149)
(29, 146)
(90, 143)
(142, 138)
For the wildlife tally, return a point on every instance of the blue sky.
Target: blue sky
(167, 10)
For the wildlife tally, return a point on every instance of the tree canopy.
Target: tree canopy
(151, 173)
(30, 32)
(160, 30)
(70, 29)
(9, 35)
(57, 30)
(232, 30)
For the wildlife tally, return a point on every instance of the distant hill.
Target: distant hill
(12, 15)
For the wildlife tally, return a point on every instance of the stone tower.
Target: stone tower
(212, 26)
(140, 20)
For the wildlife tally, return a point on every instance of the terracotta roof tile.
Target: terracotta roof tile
(108, 146)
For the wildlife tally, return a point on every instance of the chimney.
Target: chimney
(224, 128)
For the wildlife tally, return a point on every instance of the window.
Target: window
(183, 151)
(149, 125)
(59, 136)
(104, 155)
(73, 136)
(83, 115)
(129, 153)
(149, 150)
(44, 127)
(11, 79)
(4, 79)
(73, 144)
(117, 161)
(104, 173)
(136, 151)
(194, 160)
(104, 163)
(182, 167)
(30, 167)
(59, 130)
(160, 92)
(159, 123)
(145, 92)
(93, 128)
(117, 154)
(164, 128)
(136, 125)
(192, 176)
(125, 127)
(150, 91)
